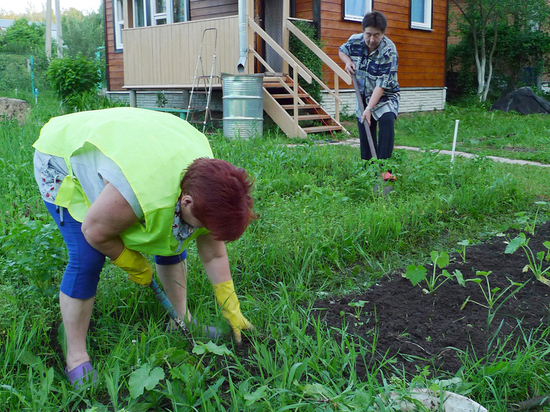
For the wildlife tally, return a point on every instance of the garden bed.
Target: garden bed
(435, 330)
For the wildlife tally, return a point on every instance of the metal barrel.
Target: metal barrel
(243, 105)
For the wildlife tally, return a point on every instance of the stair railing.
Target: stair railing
(339, 73)
(296, 67)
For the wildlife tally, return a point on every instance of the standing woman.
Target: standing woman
(372, 57)
(125, 181)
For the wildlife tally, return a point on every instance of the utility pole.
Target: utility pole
(48, 29)
(58, 36)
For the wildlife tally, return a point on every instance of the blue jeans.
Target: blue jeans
(81, 275)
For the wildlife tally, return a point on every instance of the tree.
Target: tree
(82, 34)
(478, 14)
(25, 35)
(485, 20)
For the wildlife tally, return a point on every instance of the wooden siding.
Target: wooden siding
(210, 9)
(168, 54)
(149, 58)
(114, 60)
(199, 10)
(421, 52)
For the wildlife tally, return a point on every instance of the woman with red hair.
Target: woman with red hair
(125, 181)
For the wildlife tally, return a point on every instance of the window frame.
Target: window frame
(118, 23)
(151, 18)
(428, 12)
(146, 12)
(354, 17)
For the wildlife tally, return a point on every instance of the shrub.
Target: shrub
(69, 77)
(307, 57)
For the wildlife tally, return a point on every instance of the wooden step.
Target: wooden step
(321, 129)
(314, 116)
(277, 86)
(288, 96)
(305, 106)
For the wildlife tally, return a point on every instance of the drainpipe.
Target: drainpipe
(243, 48)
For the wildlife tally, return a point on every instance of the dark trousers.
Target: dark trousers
(383, 142)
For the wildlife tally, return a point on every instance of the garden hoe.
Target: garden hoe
(387, 188)
(161, 296)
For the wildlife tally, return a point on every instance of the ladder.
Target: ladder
(201, 92)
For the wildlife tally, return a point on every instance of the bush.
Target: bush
(69, 78)
(90, 101)
(307, 57)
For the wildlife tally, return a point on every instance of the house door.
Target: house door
(273, 25)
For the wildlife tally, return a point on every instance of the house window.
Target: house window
(157, 12)
(421, 14)
(142, 13)
(118, 22)
(355, 10)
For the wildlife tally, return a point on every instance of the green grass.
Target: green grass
(321, 231)
(480, 131)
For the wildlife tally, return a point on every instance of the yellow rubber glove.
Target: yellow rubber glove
(138, 268)
(231, 308)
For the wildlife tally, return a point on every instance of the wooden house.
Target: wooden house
(156, 45)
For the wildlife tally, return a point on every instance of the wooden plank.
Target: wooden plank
(318, 52)
(168, 54)
(281, 117)
(320, 129)
(277, 48)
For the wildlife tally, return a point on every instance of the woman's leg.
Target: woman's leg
(386, 135)
(363, 142)
(172, 272)
(78, 286)
(76, 315)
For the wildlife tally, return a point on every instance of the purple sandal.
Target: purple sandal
(80, 375)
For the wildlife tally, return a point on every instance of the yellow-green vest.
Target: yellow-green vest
(152, 149)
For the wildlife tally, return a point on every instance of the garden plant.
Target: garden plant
(320, 274)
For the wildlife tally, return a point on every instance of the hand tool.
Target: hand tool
(161, 296)
(362, 108)
(387, 188)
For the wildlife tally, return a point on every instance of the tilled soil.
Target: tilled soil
(419, 329)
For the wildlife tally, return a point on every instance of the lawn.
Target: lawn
(323, 238)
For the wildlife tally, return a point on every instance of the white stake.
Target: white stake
(454, 141)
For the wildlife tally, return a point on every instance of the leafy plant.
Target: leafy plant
(417, 274)
(492, 295)
(536, 262)
(308, 57)
(70, 77)
(464, 243)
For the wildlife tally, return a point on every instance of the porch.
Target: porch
(165, 58)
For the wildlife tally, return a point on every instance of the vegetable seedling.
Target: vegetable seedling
(536, 262)
(523, 219)
(358, 307)
(417, 274)
(492, 295)
(464, 243)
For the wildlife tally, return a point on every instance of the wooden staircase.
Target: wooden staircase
(279, 105)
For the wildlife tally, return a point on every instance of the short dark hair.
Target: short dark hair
(375, 19)
(221, 197)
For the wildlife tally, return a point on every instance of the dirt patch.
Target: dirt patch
(419, 329)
